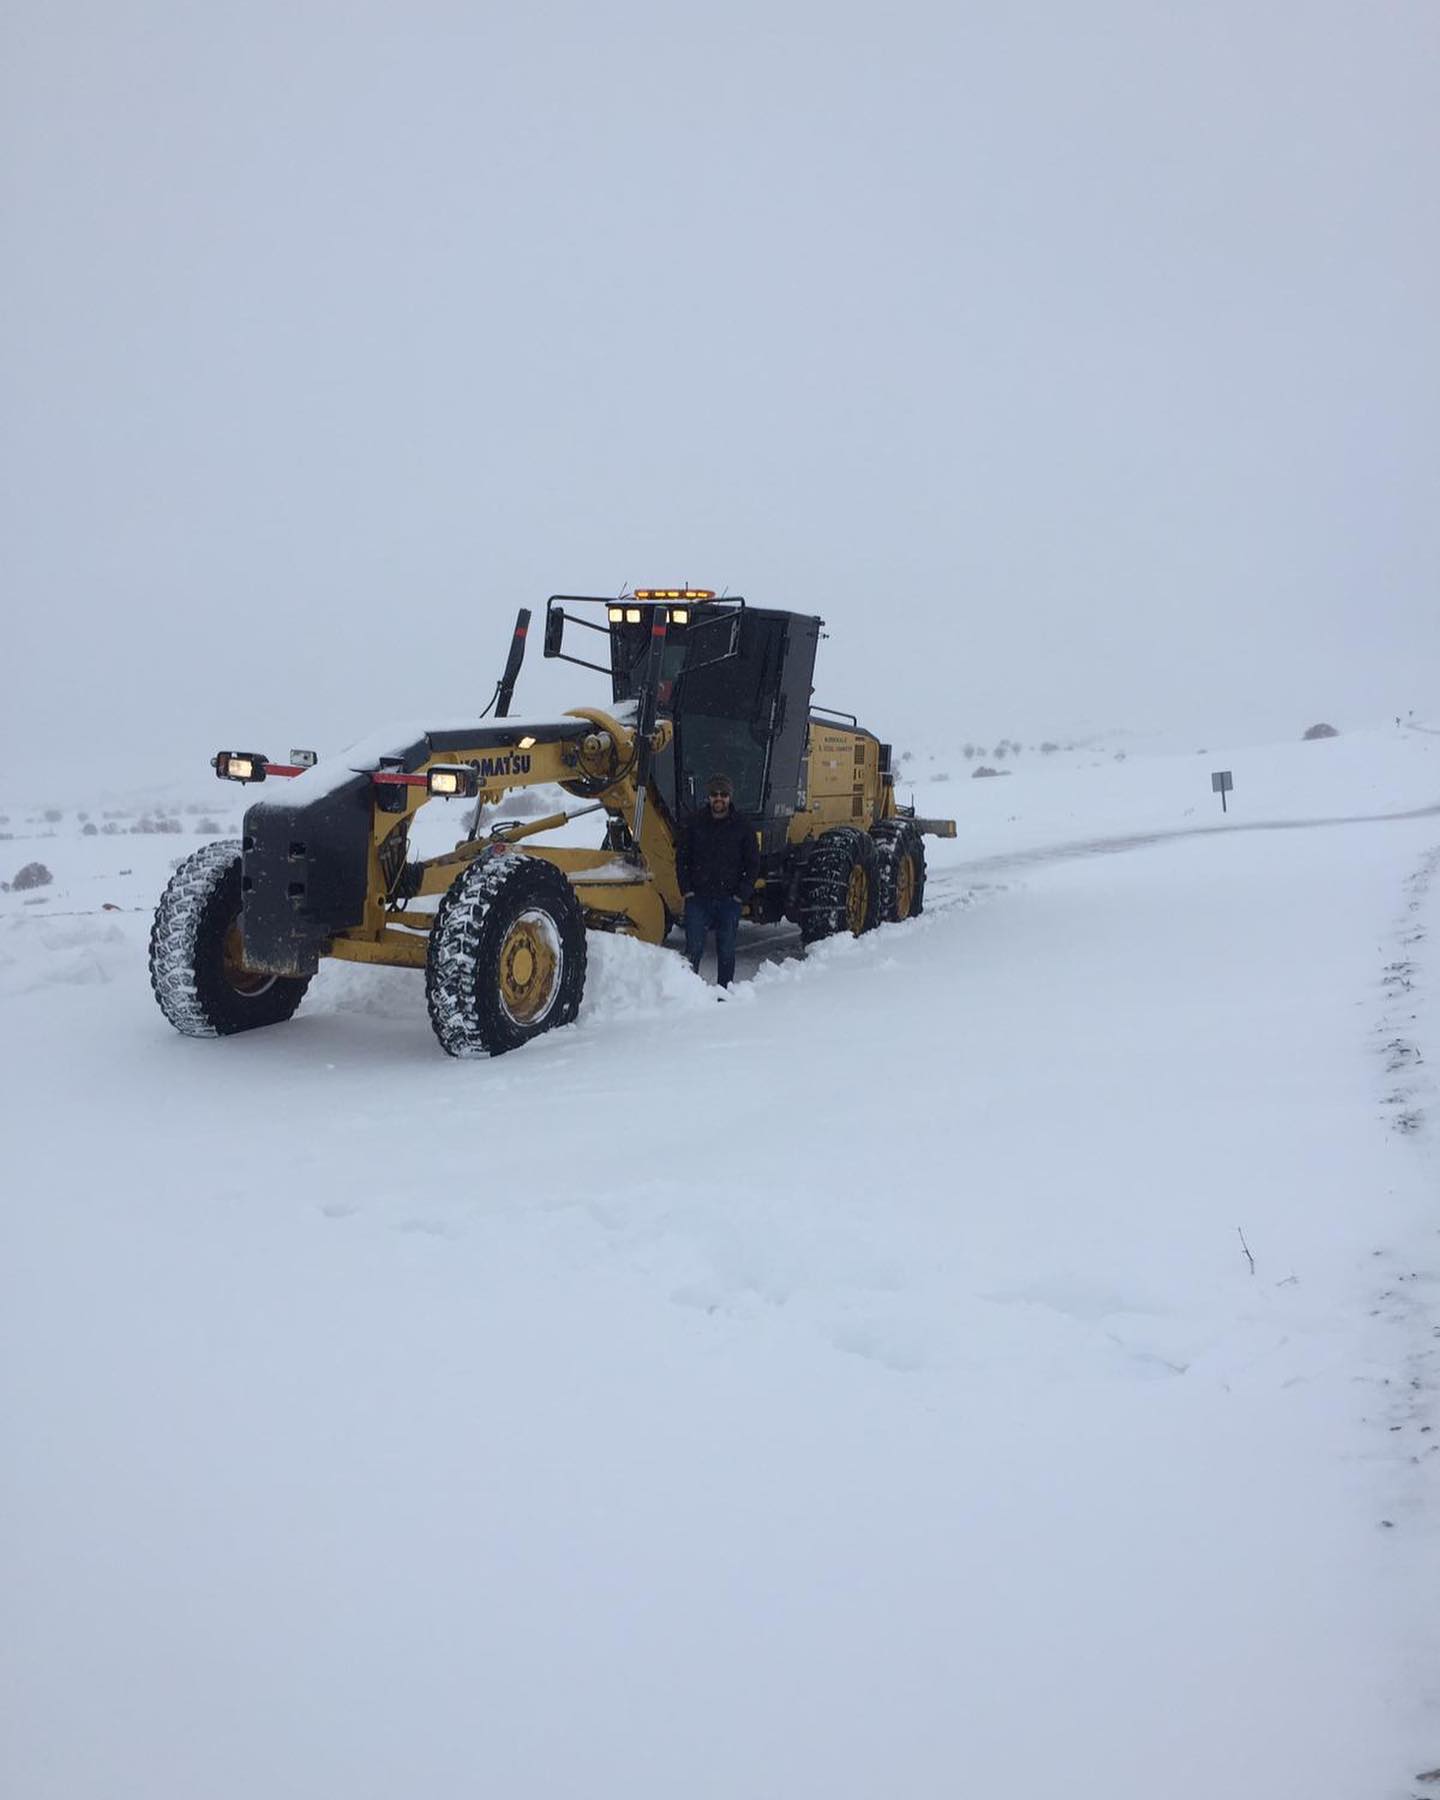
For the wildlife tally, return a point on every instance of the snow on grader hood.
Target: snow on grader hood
(498, 924)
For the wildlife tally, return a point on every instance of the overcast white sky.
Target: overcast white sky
(1079, 364)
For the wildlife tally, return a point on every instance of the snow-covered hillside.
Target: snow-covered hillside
(994, 1357)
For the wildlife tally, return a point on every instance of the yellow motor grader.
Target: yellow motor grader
(699, 685)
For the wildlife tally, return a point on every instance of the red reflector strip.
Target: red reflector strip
(285, 768)
(392, 778)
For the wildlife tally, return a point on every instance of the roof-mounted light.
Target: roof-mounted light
(674, 593)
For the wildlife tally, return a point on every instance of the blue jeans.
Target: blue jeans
(703, 916)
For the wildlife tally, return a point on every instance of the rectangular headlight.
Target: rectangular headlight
(239, 765)
(452, 781)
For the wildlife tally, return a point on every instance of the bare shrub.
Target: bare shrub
(1319, 731)
(975, 774)
(33, 875)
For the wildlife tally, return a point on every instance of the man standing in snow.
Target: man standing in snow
(717, 864)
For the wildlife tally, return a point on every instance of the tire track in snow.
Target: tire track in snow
(1412, 1092)
(1406, 1299)
(1142, 840)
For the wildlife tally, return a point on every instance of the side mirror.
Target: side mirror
(554, 630)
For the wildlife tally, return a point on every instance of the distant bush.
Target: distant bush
(33, 875)
(1048, 749)
(975, 774)
(91, 829)
(153, 822)
(53, 815)
(208, 828)
(969, 753)
(1319, 731)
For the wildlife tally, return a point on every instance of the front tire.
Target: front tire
(506, 959)
(197, 967)
(840, 885)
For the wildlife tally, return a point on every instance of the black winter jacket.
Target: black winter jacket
(718, 859)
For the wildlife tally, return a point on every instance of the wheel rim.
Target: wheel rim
(904, 886)
(857, 899)
(531, 965)
(246, 982)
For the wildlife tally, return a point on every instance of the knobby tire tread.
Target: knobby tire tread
(461, 988)
(187, 938)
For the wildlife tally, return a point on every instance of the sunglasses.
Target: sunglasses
(719, 796)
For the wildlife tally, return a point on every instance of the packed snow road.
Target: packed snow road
(861, 1388)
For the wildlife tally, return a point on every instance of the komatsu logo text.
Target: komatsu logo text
(491, 766)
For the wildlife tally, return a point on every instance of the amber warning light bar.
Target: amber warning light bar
(627, 614)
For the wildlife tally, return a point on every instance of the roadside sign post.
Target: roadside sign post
(1220, 783)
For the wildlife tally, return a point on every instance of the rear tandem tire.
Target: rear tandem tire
(506, 959)
(902, 870)
(197, 970)
(840, 885)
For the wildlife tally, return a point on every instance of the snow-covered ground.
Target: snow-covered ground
(859, 1389)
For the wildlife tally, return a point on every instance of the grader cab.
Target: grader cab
(499, 922)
